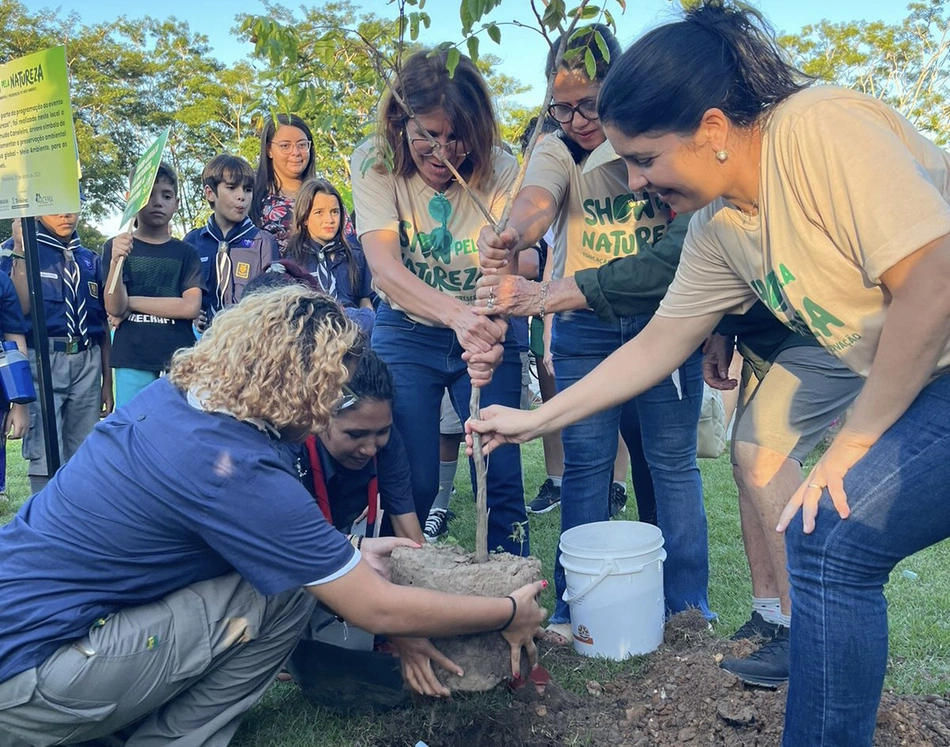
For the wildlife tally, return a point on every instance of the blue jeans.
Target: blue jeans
(424, 362)
(898, 497)
(667, 423)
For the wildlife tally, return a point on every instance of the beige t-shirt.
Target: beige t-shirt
(598, 217)
(437, 230)
(847, 189)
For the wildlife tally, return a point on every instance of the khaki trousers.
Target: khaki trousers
(186, 667)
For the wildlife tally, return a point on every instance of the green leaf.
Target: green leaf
(367, 164)
(494, 33)
(452, 61)
(589, 11)
(413, 26)
(590, 64)
(472, 43)
(553, 14)
(467, 15)
(601, 45)
(609, 20)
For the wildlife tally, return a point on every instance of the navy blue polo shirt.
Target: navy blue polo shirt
(52, 282)
(348, 490)
(159, 496)
(12, 320)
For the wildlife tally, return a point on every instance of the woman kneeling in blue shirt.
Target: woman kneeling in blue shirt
(166, 572)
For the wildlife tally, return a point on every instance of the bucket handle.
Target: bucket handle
(607, 569)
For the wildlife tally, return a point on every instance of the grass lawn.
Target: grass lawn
(919, 597)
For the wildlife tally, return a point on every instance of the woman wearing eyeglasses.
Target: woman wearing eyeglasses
(286, 161)
(597, 218)
(418, 229)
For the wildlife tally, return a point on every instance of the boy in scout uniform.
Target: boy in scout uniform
(231, 248)
(79, 348)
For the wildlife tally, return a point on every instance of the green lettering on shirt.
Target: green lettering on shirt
(820, 318)
(786, 274)
(643, 234)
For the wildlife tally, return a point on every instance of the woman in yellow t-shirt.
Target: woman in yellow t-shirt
(418, 229)
(596, 217)
(786, 179)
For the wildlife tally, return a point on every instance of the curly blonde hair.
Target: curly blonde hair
(280, 356)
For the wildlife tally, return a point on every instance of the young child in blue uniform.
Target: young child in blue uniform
(318, 244)
(79, 348)
(231, 248)
(158, 294)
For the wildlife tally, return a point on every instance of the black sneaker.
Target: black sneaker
(618, 499)
(756, 627)
(767, 667)
(549, 497)
(437, 523)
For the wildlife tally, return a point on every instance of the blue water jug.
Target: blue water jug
(15, 376)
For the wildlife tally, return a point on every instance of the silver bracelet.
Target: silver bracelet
(544, 298)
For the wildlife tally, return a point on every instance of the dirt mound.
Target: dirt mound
(681, 697)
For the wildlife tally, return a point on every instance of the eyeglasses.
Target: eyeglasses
(347, 399)
(286, 147)
(449, 148)
(564, 113)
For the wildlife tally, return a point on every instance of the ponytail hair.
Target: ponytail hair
(720, 56)
(372, 379)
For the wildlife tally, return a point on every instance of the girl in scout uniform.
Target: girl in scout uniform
(576, 185)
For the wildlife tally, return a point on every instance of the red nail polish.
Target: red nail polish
(544, 584)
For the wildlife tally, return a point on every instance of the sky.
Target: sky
(522, 52)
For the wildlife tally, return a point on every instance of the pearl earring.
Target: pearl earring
(722, 155)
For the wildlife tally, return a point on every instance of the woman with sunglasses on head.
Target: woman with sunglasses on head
(418, 229)
(597, 217)
(286, 162)
(163, 577)
(786, 178)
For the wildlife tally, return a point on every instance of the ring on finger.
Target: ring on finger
(491, 303)
(815, 485)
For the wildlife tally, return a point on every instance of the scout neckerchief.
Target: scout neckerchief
(75, 301)
(323, 274)
(222, 260)
(320, 486)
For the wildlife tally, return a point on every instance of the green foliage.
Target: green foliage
(132, 78)
(128, 81)
(907, 64)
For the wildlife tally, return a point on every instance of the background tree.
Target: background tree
(907, 65)
(317, 64)
(128, 81)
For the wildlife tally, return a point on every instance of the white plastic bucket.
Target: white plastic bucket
(614, 572)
